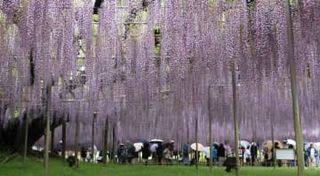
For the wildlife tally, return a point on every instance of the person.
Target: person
(221, 154)
(312, 155)
(230, 163)
(306, 160)
(277, 147)
(228, 150)
(185, 154)
(83, 154)
(291, 163)
(195, 157)
(242, 158)
(153, 149)
(247, 155)
(167, 153)
(145, 152)
(214, 153)
(266, 161)
(95, 154)
(131, 152)
(121, 153)
(254, 153)
(159, 152)
(71, 160)
(174, 152)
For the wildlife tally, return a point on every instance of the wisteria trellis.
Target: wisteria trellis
(149, 90)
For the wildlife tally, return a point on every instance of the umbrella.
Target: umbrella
(156, 141)
(245, 144)
(138, 146)
(194, 147)
(268, 144)
(315, 144)
(291, 142)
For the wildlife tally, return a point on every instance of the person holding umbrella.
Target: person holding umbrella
(145, 152)
(196, 148)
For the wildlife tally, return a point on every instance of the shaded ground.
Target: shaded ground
(33, 167)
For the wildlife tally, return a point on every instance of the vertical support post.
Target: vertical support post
(105, 146)
(76, 139)
(52, 136)
(64, 138)
(26, 133)
(210, 127)
(197, 149)
(235, 117)
(196, 124)
(93, 136)
(294, 91)
(113, 142)
(273, 143)
(47, 130)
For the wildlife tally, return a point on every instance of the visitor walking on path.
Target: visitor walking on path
(145, 152)
(312, 154)
(254, 153)
(221, 154)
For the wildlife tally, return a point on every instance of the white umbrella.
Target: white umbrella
(291, 142)
(156, 141)
(138, 146)
(245, 144)
(194, 147)
(315, 144)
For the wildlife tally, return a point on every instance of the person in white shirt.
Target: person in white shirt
(247, 155)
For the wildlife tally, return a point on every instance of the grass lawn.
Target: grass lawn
(34, 167)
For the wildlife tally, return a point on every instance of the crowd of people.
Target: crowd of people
(157, 152)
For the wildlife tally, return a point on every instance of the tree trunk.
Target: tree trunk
(25, 152)
(64, 138)
(76, 138)
(93, 136)
(210, 127)
(47, 131)
(235, 117)
(105, 140)
(294, 91)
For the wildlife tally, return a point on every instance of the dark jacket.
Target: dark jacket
(254, 150)
(146, 151)
(221, 151)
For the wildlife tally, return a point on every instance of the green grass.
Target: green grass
(34, 167)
